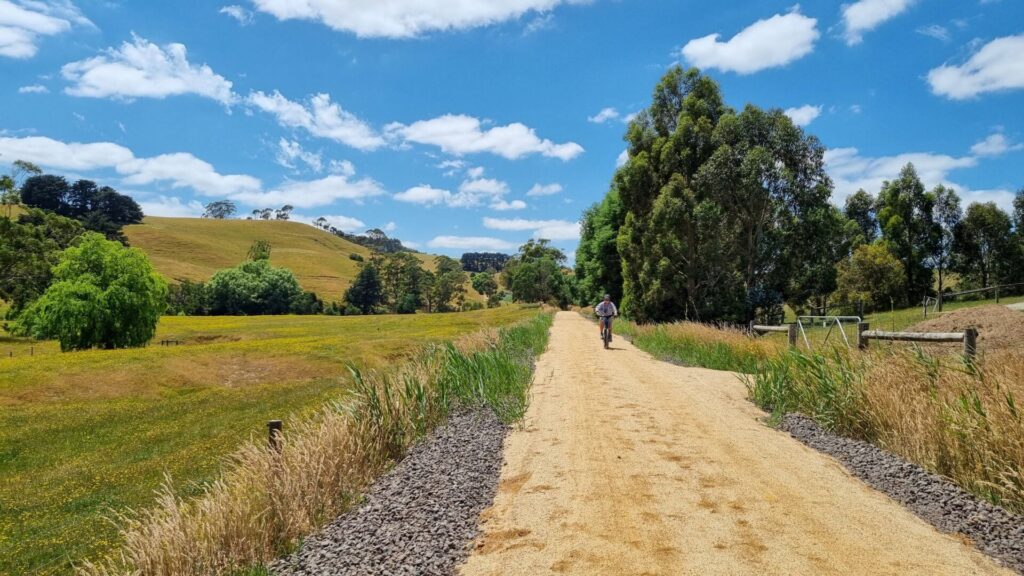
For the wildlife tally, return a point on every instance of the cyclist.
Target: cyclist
(606, 310)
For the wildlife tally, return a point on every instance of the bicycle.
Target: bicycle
(606, 331)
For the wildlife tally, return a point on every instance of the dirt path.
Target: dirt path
(628, 465)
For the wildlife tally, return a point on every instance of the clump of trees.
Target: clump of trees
(219, 210)
(99, 208)
(484, 261)
(29, 249)
(721, 215)
(398, 283)
(282, 213)
(375, 239)
(103, 295)
(537, 273)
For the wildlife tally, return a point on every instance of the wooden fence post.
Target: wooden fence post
(862, 342)
(997, 294)
(274, 434)
(792, 335)
(970, 343)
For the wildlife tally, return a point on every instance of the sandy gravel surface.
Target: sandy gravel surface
(628, 465)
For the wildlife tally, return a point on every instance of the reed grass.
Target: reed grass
(266, 501)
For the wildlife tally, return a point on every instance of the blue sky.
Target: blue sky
(479, 125)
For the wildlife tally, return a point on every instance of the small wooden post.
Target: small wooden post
(997, 294)
(970, 343)
(792, 335)
(274, 428)
(750, 329)
(862, 342)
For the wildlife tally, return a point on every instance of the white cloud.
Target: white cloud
(289, 152)
(995, 145)
(604, 115)
(549, 229)
(63, 156)
(185, 170)
(866, 15)
(764, 44)
(482, 243)
(1003, 198)
(934, 31)
(390, 227)
(850, 171)
(997, 66)
(141, 69)
(312, 193)
(504, 206)
(345, 223)
(803, 115)
(460, 134)
(475, 172)
(621, 160)
(172, 207)
(343, 167)
(424, 195)
(321, 118)
(23, 22)
(545, 189)
(405, 18)
(34, 89)
(243, 15)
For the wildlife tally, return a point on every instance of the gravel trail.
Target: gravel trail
(628, 465)
(421, 516)
(942, 503)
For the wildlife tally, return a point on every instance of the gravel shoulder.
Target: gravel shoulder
(421, 516)
(628, 465)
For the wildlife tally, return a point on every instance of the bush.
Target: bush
(254, 288)
(408, 305)
(355, 257)
(104, 295)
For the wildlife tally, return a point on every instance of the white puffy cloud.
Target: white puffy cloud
(1002, 197)
(404, 18)
(185, 170)
(390, 227)
(865, 15)
(997, 66)
(345, 223)
(243, 15)
(471, 193)
(622, 158)
(549, 229)
(33, 89)
(504, 205)
(52, 153)
(545, 189)
(461, 134)
(142, 69)
(850, 171)
(483, 243)
(423, 194)
(312, 193)
(604, 115)
(171, 206)
(475, 172)
(23, 22)
(321, 117)
(290, 152)
(803, 115)
(995, 145)
(769, 43)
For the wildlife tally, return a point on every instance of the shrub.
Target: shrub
(253, 288)
(104, 295)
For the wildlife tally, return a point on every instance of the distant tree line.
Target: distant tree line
(484, 261)
(375, 239)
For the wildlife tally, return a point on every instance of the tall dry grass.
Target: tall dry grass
(702, 345)
(267, 500)
(961, 420)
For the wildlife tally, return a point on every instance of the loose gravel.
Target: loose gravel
(420, 517)
(938, 501)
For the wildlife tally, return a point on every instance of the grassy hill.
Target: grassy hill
(195, 248)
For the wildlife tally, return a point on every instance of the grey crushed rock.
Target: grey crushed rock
(938, 501)
(419, 518)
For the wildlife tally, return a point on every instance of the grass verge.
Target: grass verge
(266, 501)
(701, 345)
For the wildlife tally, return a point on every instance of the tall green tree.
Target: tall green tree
(860, 207)
(872, 275)
(946, 214)
(907, 220)
(366, 292)
(983, 244)
(29, 249)
(537, 274)
(449, 291)
(220, 209)
(598, 264)
(104, 295)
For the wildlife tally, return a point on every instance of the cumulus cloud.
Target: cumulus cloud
(803, 115)
(183, 170)
(481, 243)
(997, 66)
(545, 189)
(290, 153)
(33, 89)
(865, 15)
(312, 193)
(425, 195)
(850, 171)
(504, 205)
(23, 22)
(73, 156)
(171, 207)
(549, 229)
(243, 15)
(604, 115)
(142, 69)
(405, 18)
(770, 43)
(320, 117)
(471, 193)
(460, 134)
(345, 223)
(995, 145)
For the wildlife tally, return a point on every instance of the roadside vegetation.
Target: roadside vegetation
(83, 434)
(265, 501)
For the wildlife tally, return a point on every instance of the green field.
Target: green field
(86, 433)
(195, 248)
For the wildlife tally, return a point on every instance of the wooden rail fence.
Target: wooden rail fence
(789, 329)
(969, 337)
